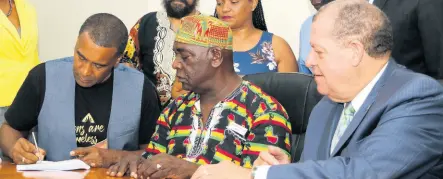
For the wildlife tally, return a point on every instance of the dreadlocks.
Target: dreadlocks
(258, 17)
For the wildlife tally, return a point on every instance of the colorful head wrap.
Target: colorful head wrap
(205, 31)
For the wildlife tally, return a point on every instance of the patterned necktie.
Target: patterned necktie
(345, 120)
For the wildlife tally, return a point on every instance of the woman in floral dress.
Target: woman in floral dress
(255, 49)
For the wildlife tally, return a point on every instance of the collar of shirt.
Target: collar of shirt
(371, 1)
(363, 94)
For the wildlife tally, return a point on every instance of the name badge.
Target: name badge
(237, 128)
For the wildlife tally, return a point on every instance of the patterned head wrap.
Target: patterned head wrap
(205, 31)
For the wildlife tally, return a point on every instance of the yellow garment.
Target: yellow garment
(18, 53)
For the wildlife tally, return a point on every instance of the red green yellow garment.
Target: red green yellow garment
(180, 132)
(204, 31)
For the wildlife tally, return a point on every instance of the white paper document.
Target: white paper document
(74, 164)
(55, 174)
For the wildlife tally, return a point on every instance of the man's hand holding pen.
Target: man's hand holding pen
(24, 152)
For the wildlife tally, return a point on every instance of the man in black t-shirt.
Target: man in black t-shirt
(83, 106)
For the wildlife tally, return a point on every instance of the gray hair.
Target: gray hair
(357, 19)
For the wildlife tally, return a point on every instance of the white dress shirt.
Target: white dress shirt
(371, 1)
(357, 102)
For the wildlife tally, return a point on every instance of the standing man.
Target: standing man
(305, 36)
(150, 45)
(377, 119)
(87, 106)
(418, 34)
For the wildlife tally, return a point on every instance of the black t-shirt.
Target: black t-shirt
(92, 109)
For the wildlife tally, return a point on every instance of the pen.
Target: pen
(36, 146)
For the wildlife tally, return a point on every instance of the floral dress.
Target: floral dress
(259, 59)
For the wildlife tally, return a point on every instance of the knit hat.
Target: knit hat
(205, 31)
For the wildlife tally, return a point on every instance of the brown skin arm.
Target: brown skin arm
(116, 155)
(8, 137)
(171, 167)
(20, 150)
(284, 56)
(103, 158)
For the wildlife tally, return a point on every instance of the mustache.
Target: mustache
(178, 11)
(183, 1)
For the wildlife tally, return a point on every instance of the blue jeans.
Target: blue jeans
(2, 114)
(2, 119)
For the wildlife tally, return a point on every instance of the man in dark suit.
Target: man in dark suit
(377, 119)
(418, 33)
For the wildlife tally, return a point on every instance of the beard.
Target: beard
(176, 11)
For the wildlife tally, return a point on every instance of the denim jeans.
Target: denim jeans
(2, 119)
(2, 114)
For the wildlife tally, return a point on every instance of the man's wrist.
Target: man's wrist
(117, 155)
(190, 168)
(253, 172)
(260, 172)
(111, 156)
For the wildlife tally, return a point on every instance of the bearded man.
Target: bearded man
(150, 45)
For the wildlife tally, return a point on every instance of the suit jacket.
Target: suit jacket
(396, 133)
(418, 33)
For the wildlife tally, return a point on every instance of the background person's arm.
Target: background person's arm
(285, 58)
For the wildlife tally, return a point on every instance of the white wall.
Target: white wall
(285, 17)
(60, 20)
